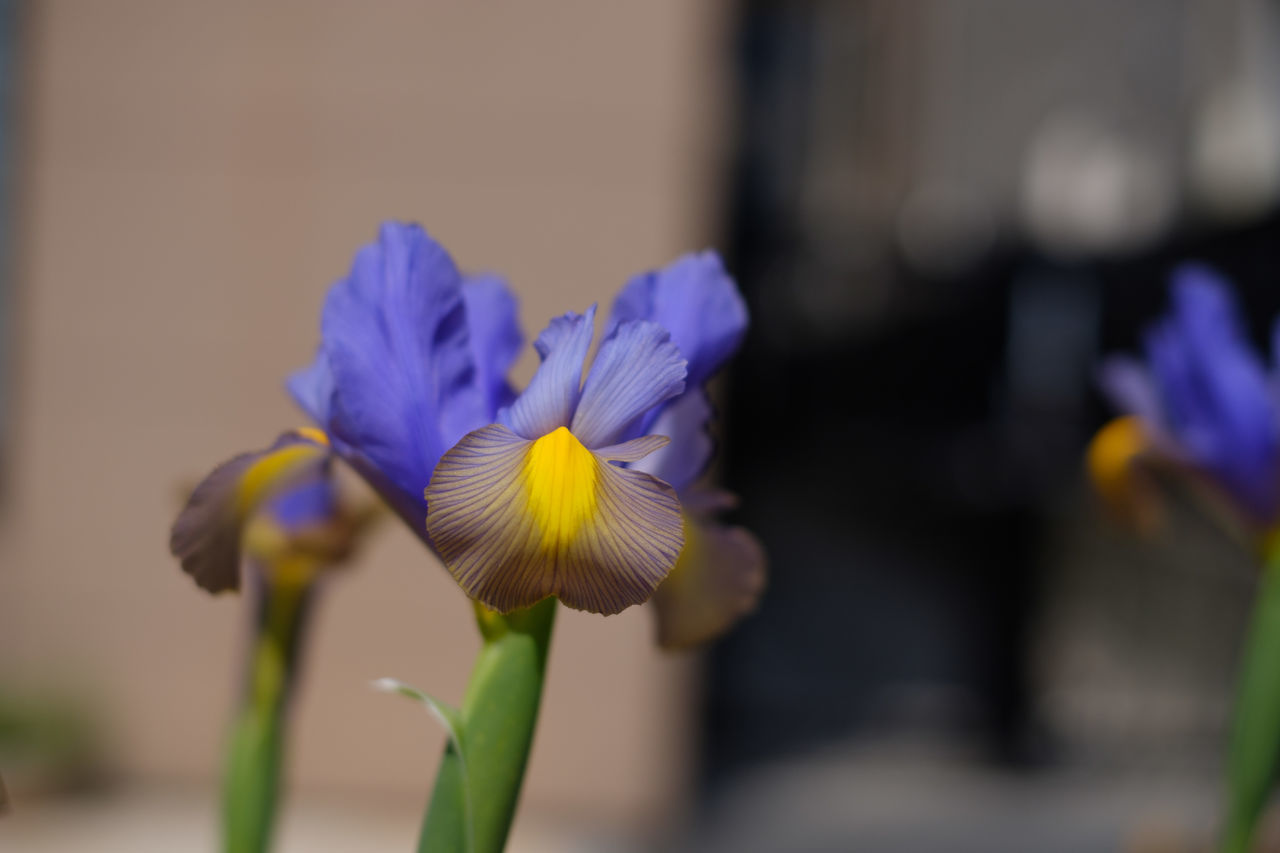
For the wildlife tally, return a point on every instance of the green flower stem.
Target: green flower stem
(1255, 737)
(478, 787)
(252, 778)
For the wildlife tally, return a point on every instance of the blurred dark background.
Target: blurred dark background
(944, 214)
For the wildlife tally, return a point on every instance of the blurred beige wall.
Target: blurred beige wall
(193, 177)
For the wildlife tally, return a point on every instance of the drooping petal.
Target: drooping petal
(695, 300)
(637, 368)
(496, 339)
(685, 458)
(206, 536)
(517, 520)
(553, 393)
(395, 334)
(718, 580)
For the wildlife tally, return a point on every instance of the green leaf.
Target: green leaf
(447, 715)
(1254, 751)
(458, 833)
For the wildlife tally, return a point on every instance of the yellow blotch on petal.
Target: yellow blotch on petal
(1112, 460)
(267, 472)
(560, 484)
(314, 435)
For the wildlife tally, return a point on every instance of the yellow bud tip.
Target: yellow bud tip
(1111, 461)
(313, 435)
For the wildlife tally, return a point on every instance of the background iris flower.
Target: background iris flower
(1203, 401)
(207, 536)
(277, 512)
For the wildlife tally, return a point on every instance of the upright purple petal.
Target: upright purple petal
(695, 300)
(636, 369)
(404, 389)
(312, 389)
(682, 460)
(1216, 394)
(496, 339)
(553, 393)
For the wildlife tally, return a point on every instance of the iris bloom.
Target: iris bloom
(277, 511)
(210, 533)
(1203, 402)
(553, 492)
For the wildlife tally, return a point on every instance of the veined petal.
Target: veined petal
(637, 368)
(633, 450)
(685, 458)
(207, 533)
(395, 335)
(695, 300)
(517, 520)
(718, 580)
(496, 339)
(553, 393)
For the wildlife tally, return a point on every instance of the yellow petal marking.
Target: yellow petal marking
(1110, 460)
(560, 485)
(313, 435)
(267, 472)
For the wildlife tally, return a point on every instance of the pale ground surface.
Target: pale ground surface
(155, 820)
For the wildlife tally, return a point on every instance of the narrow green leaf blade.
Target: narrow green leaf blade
(1254, 752)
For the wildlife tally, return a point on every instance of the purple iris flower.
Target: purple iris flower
(544, 493)
(1205, 395)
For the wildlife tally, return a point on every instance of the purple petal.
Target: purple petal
(697, 302)
(633, 450)
(404, 391)
(619, 541)
(312, 389)
(553, 393)
(309, 503)
(685, 458)
(718, 580)
(636, 369)
(1129, 386)
(1216, 395)
(496, 339)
